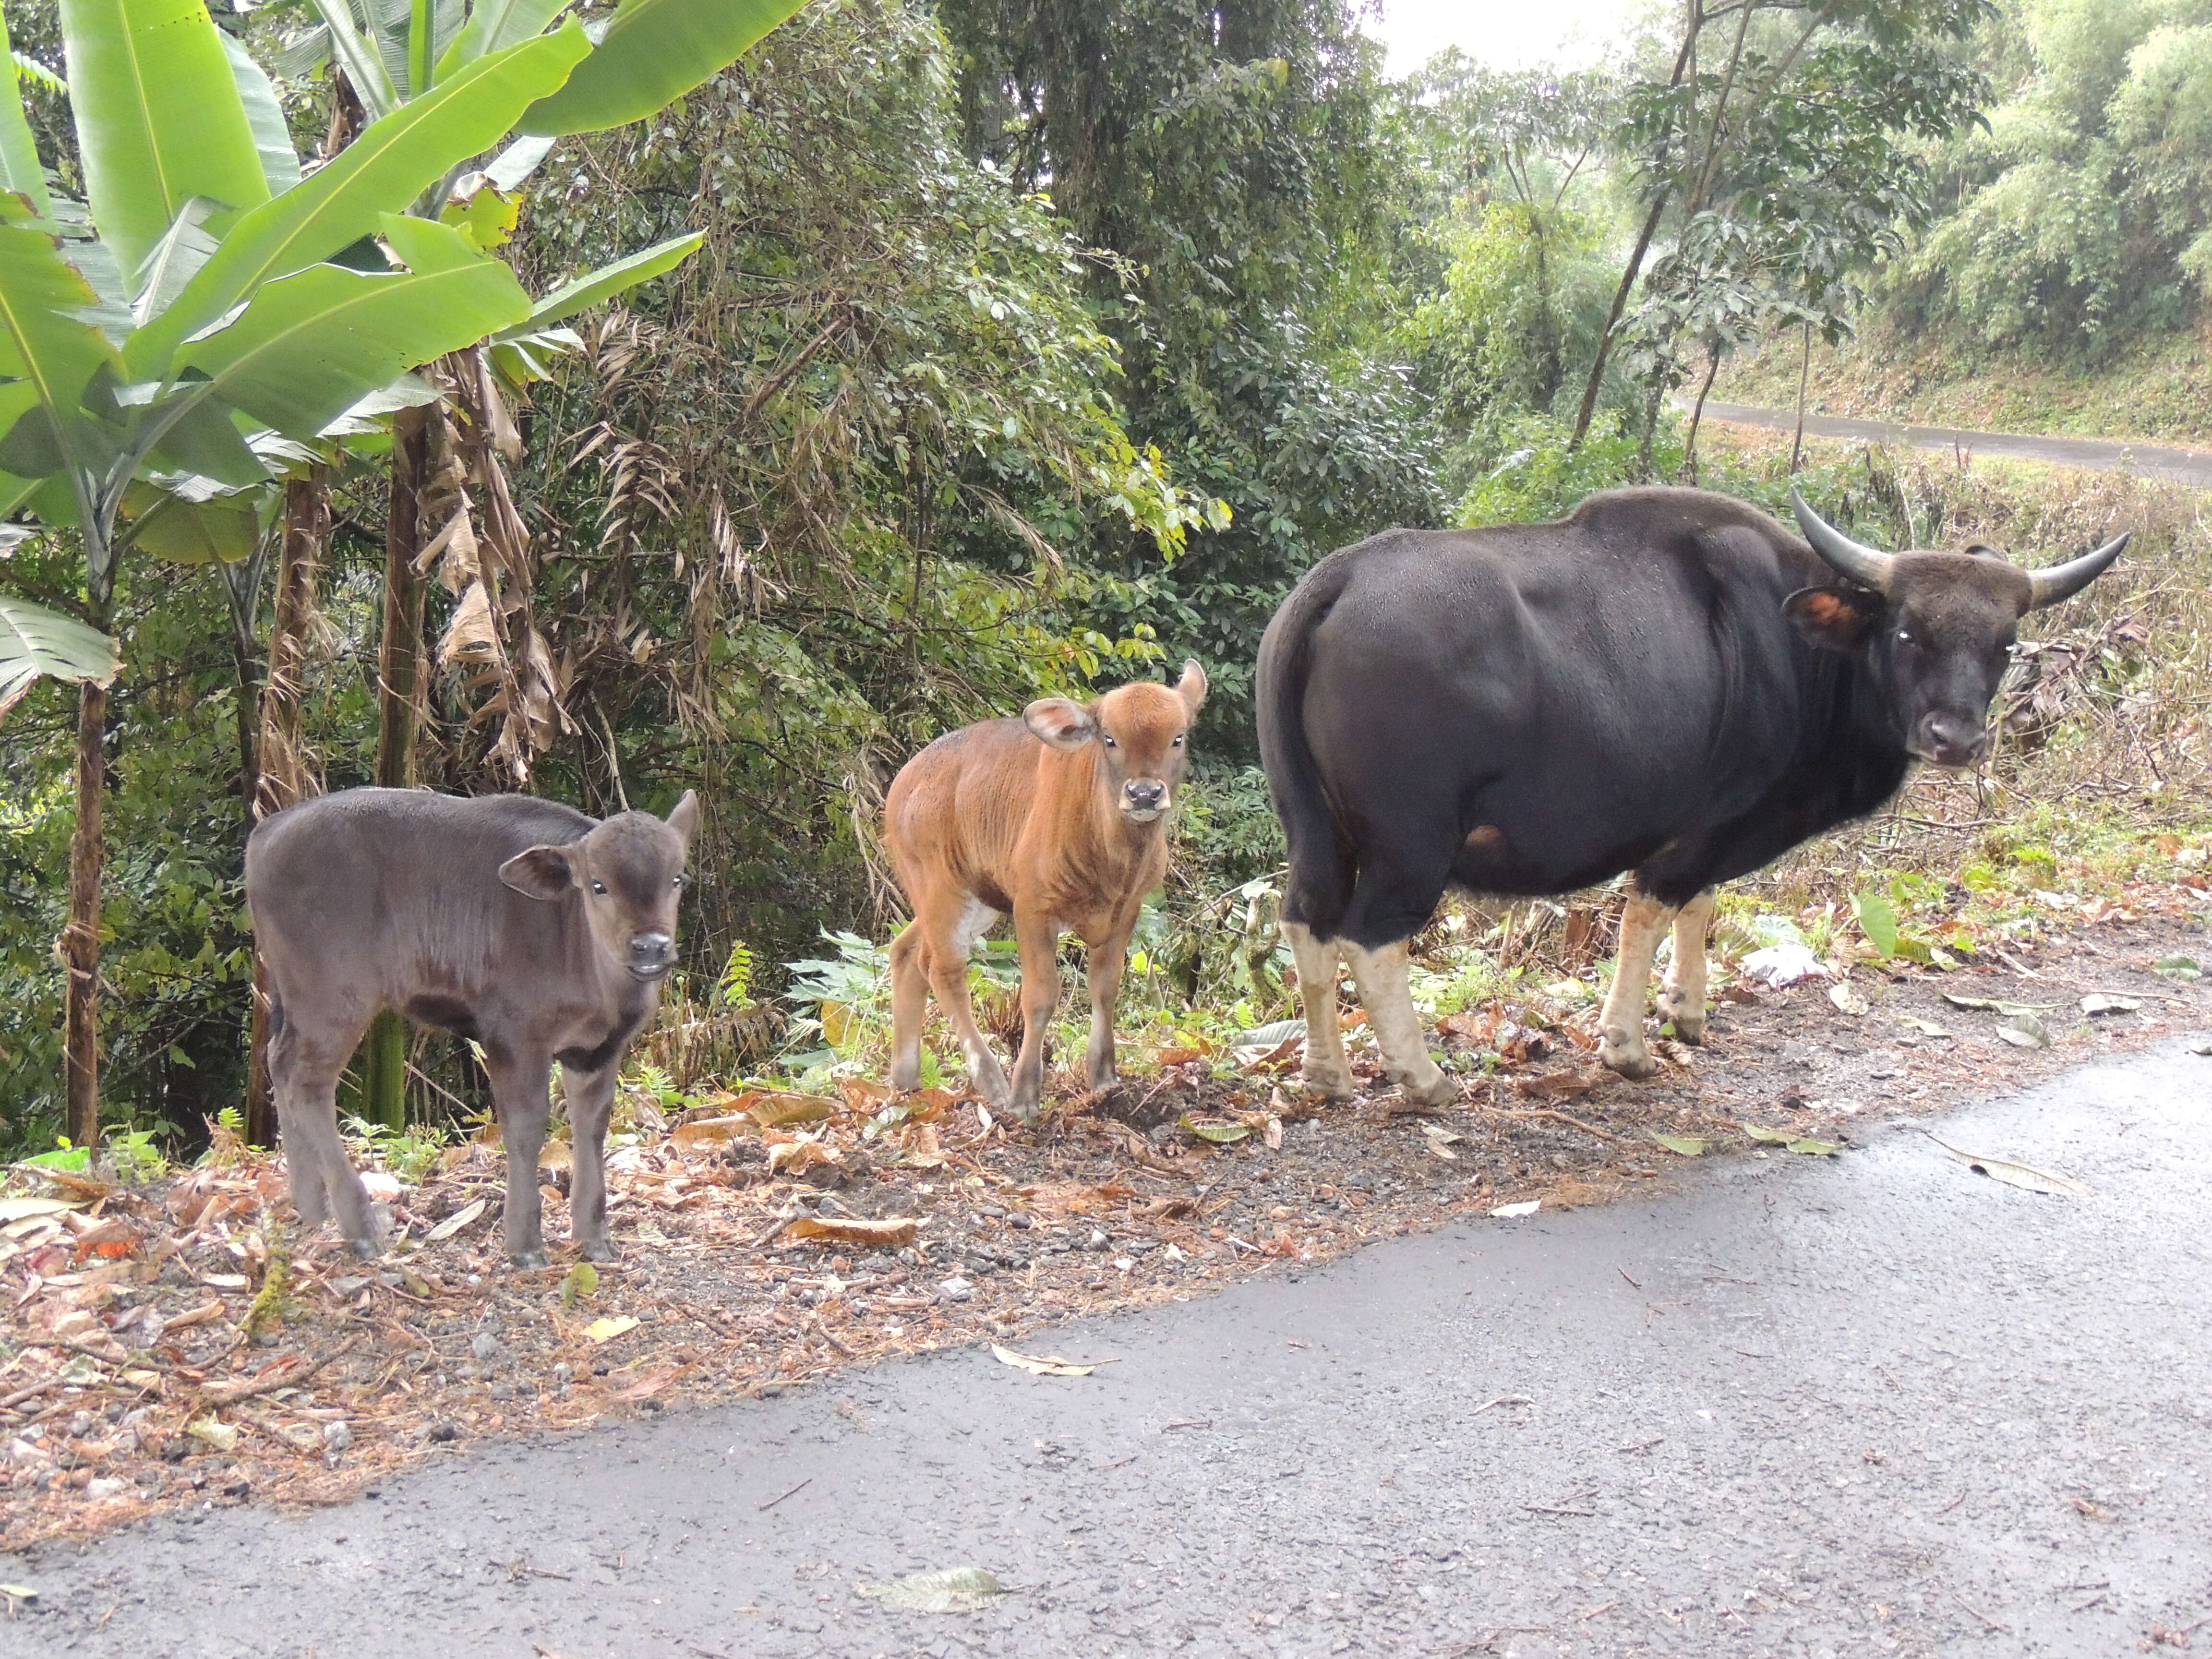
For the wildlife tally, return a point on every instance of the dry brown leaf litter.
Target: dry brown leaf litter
(176, 1345)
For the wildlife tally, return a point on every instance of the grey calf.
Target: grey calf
(540, 932)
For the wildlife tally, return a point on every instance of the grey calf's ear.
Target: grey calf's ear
(683, 816)
(1060, 721)
(1191, 688)
(540, 872)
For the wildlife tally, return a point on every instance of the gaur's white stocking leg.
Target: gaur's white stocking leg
(1683, 1001)
(1325, 1068)
(1385, 988)
(1620, 1026)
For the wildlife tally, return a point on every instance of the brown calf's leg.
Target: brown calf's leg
(591, 1100)
(1325, 1068)
(1102, 966)
(909, 1005)
(1384, 980)
(1038, 941)
(521, 1097)
(1620, 1024)
(1683, 1001)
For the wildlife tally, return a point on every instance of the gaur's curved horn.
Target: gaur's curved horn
(2064, 581)
(1863, 565)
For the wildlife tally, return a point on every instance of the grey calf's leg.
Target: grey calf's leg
(303, 1075)
(1325, 1068)
(591, 1097)
(1384, 978)
(519, 1094)
(1683, 1001)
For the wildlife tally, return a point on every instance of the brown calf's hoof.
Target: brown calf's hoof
(1328, 1085)
(1437, 1090)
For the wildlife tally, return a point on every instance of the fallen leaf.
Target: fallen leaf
(579, 1281)
(1273, 1132)
(1996, 1005)
(2024, 1031)
(774, 1112)
(1925, 1027)
(453, 1223)
(712, 1129)
(606, 1330)
(1813, 1148)
(651, 1383)
(1439, 1141)
(2104, 1002)
(1044, 1364)
(1760, 1131)
(1688, 1146)
(2017, 1174)
(20, 1209)
(1563, 1086)
(796, 1155)
(1221, 1135)
(226, 1281)
(886, 1234)
(220, 1435)
(2177, 968)
(1512, 1212)
(1849, 998)
(947, 1590)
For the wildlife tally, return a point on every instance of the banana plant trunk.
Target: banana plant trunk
(81, 938)
(399, 675)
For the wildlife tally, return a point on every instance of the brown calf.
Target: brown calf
(1056, 818)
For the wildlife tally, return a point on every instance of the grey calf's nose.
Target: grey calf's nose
(650, 947)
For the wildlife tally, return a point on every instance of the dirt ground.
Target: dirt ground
(175, 1344)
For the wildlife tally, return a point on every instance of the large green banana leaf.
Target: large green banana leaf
(158, 120)
(48, 357)
(19, 156)
(653, 53)
(313, 345)
(35, 641)
(582, 293)
(381, 172)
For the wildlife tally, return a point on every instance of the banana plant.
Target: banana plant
(187, 316)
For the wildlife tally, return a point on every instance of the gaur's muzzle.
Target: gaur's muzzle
(651, 955)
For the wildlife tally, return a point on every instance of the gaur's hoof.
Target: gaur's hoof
(533, 1257)
(367, 1249)
(1689, 1027)
(1635, 1064)
(1437, 1090)
(599, 1249)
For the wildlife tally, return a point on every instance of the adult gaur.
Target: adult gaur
(1665, 681)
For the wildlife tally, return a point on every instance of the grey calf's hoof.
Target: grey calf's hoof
(599, 1249)
(532, 1257)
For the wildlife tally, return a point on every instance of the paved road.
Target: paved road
(2098, 454)
(1874, 1405)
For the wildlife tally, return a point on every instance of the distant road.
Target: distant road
(2098, 454)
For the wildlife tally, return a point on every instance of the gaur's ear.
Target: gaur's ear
(1191, 688)
(683, 816)
(1060, 721)
(542, 873)
(1834, 618)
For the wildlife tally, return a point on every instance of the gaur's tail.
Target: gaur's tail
(1321, 870)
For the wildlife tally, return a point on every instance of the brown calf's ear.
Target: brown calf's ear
(541, 872)
(683, 816)
(1060, 721)
(1191, 688)
(1834, 618)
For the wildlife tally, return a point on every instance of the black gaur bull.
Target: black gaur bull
(542, 933)
(1665, 681)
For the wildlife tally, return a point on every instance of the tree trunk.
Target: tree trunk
(1612, 320)
(81, 938)
(1698, 414)
(1804, 374)
(400, 677)
(283, 774)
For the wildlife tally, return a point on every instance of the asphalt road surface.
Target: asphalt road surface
(1877, 1404)
(2098, 454)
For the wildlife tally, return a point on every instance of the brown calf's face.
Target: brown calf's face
(630, 873)
(1934, 630)
(1142, 731)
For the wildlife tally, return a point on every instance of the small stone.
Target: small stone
(1097, 1241)
(1018, 1220)
(441, 1433)
(80, 1425)
(103, 1486)
(955, 1289)
(486, 1346)
(564, 1372)
(337, 1436)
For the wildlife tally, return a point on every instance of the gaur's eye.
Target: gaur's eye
(1109, 743)
(600, 888)
(1178, 742)
(1905, 636)
(678, 883)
